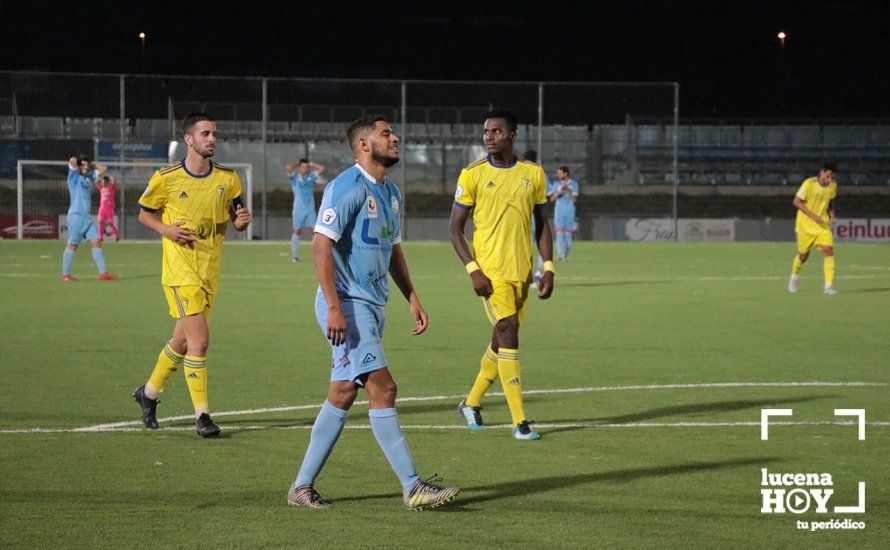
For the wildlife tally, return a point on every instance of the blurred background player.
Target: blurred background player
(106, 206)
(357, 241)
(532, 155)
(815, 216)
(81, 175)
(196, 198)
(503, 192)
(564, 193)
(303, 175)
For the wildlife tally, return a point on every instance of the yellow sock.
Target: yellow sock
(508, 367)
(168, 363)
(828, 266)
(795, 267)
(196, 377)
(488, 373)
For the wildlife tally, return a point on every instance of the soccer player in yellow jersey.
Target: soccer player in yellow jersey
(502, 192)
(815, 216)
(196, 198)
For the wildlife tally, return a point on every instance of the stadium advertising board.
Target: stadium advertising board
(689, 230)
(862, 229)
(40, 226)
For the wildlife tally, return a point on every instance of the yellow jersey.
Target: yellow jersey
(203, 203)
(502, 199)
(816, 198)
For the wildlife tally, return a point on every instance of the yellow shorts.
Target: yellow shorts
(509, 298)
(188, 300)
(805, 241)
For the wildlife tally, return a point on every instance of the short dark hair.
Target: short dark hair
(190, 120)
(83, 159)
(565, 169)
(303, 161)
(531, 155)
(509, 117)
(830, 166)
(360, 125)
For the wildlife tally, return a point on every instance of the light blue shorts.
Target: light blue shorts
(81, 228)
(363, 351)
(565, 218)
(303, 217)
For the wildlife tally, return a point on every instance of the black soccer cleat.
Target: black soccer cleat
(206, 426)
(149, 408)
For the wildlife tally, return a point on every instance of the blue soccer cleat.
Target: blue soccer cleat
(473, 415)
(523, 432)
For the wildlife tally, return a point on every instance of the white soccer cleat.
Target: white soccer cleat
(830, 290)
(792, 284)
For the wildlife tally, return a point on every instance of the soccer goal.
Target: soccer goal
(42, 198)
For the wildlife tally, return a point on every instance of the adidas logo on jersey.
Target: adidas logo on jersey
(490, 184)
(183, 195)
(368, 358)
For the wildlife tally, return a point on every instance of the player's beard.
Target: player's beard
(203, 152)
(385, 160)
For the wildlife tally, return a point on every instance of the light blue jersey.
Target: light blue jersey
(363, 218)
(79, 187)
(302, 186)
(564, 213)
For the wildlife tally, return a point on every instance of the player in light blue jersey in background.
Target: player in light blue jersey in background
(564, 192)
(303, 176)
(357, 242)
(532, 155)
(82, 174)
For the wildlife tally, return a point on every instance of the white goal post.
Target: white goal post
(20, 184)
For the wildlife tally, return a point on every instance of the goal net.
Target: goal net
(42, 199)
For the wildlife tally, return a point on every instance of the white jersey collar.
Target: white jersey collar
(368, 176)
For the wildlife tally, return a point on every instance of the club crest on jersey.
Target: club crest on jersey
(372, 207)
(395, 204)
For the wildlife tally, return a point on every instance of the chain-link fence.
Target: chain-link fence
(271, 122)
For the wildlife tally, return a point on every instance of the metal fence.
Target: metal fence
(269, 122)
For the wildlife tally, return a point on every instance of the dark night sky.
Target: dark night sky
(724, 54)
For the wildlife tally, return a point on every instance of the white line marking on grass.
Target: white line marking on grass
(444, 427)
(124, 425)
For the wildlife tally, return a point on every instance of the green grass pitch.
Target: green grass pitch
(616, 466)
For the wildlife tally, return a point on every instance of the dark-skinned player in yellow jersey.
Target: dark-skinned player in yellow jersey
(501, 192)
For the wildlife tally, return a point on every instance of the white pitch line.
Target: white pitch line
(443, 427)
(121, 426)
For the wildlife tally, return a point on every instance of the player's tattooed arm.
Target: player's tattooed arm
(398, 269)
(544, 239)
(175, 232)
(481, 283)
(323, 256)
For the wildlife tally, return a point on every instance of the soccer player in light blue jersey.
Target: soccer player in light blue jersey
(303, 176)
(357, 242)
(82, 174)
(532, 155)
(564, 192)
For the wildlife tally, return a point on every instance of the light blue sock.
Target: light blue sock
(325, 431)
(561, 244)
(99, 258)
(67, 260)
(385, 425)
(295, 245)
(569, 239)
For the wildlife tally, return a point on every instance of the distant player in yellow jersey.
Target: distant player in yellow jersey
(196, 199)
(815, 216)
(502, 192)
